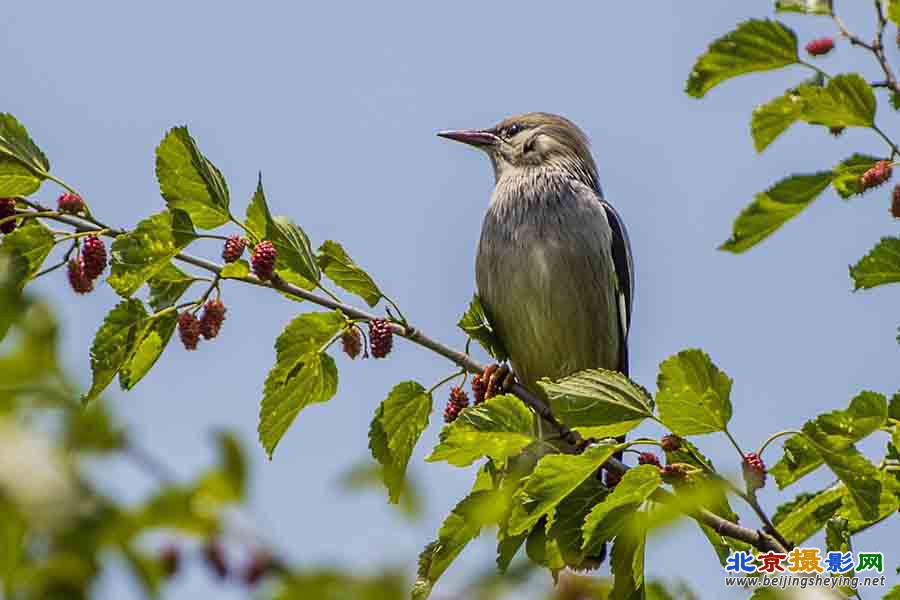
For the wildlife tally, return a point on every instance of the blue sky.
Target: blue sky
(337, 105)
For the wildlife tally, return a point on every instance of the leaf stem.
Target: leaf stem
(446, 380)
(774, 437)
(28, 215)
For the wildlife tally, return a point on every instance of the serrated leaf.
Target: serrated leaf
(294, 251)
(189, 182)
(142, 253)
(755, 45)
(773, 208)
(315, 382)
(885, 506)
(16, 144)
(499, 428)
(847, 101)
(555, 477)
(476, 324)
(340, 268)
(773, 118)
(565, 527)
(694, 395)
(598, 403)
(27, 246)
(801, 518)
(846, 179)
(859, 475)
(114, 343)
(879, 267)
(167, 286)
(258, 215)
(148, 347)
(837, 535)
(608, 518)
(235, 270)
(627, 559)
(399, 421)
(543, 550)
(835, 431)
(809, 7)
(16, 179)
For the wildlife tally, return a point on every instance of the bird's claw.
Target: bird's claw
(499, 379)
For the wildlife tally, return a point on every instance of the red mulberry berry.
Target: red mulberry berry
(648, 458)
(94, 255)
(215, 558)
(77, 278)
(754, 471)
(670, 443)
(260, 564)
(895, 202)
(381, 338)
(478, 389)
(169, 560)
(189, 330)
(820, 46)
(70, 203)
(7, 209)
(264, 256)
(234, 248)
(674, 474)
(455, 405)
(612, 478)
(878, 174)
(212, 318)
(351, 342)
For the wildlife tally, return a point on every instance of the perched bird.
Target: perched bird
(554, 269)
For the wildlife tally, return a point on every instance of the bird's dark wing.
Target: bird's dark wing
(621, 254)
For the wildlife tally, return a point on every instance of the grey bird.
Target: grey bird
(554, 269)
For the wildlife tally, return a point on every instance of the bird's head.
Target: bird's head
(532, 141)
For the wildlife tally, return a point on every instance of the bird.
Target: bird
(554, 270)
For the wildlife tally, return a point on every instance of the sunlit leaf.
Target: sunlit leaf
(879, 267)
(694, 395)
(477, 325)
(340, 268)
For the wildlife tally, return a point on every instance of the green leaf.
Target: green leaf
(834, 431)
(773, 208)
(140, 254)
(148, 348)
(801, 518)
(847, 101)
(543, 550)
(598, 403)
(879, 267)
(809, 7)
(773, 118)
(894, 593)
(499, 428)
(893, 11)
(568, 519)
(28, 246)
(608, 518)
(847, 174)
(114, 343)
(476, 324)
(227, 482)
(258, 215)
(627, 559)
(340, 268)
(837, 535)
(167, 286)
(399, 421)
(15, 143)
(755, 45)
(294, 251)
(886, 505)
(302, 374)
(235, 270)
(555, 477)
(16, 179)
(189, 182)
(859, 475)
(693, 396)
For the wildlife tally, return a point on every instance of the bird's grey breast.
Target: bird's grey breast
(546, 277)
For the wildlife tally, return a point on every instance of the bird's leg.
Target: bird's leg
(499, 378)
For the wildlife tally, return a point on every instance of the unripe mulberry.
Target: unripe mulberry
(895, 202)
(674, 474)
(212, 318)
(457, 402)
(381, 338)
(94, 255)
(7, 209)
(754, 471)
(264, 257)
(670, 443)
(234, 248)
(878, 174)
(351, 342)
(189, 330)
(260, 564)
(169, 560)
(70, 203)
(215, 558)
(648, 458)
(479, 388)
(820, 46)
(77, 279)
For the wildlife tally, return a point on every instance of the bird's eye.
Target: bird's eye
(512, 130)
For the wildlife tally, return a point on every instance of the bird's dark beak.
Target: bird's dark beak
(473, 137)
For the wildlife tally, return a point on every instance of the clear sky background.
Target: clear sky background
(338, 104)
